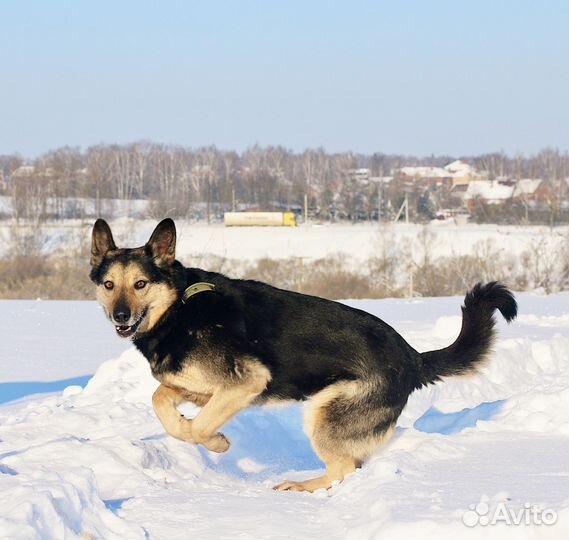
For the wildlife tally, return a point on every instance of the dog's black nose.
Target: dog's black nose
(122, 315)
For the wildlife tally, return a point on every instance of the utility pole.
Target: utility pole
(208, 204)
(379, 200)
(404, 206)
(380, 195)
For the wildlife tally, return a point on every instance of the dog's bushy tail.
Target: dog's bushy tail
(473, 344)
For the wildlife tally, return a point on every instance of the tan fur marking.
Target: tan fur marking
(228, 399)
(365, 447)
(275, 402)
(192, 378)
(321, 399)
(155, 298)
(226, 396)
(337, 468)
(340, 455)
(361, 448)
(197, 399)
(165, 400)
(159, 299)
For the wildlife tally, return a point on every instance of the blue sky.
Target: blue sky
(415, 77)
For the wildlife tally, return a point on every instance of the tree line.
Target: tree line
(182, 181)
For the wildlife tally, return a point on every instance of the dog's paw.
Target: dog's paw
(289, 485)
(218, 443)
(314, 484)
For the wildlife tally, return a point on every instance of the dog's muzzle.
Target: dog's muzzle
(126, 331)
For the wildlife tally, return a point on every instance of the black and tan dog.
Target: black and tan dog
(225, 344)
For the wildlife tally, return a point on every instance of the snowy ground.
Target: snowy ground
(311, 241)
(94, 462)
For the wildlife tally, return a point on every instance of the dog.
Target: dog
(225, 344)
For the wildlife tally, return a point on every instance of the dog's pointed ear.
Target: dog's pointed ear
(162, 243)
(102, 241)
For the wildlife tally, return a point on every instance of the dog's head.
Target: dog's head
(135, 286)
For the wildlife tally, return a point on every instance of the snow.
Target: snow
(75, 334)
(488, 190)
(526, 186)
(425, 172)
(457, 169)
(94, 462)
(461, 169)
(308, 242)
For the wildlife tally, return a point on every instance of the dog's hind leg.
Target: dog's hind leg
(337, 467)
(345, 425)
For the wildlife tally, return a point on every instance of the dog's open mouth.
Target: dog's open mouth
(127, 331)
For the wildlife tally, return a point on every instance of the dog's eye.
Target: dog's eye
(140, 284)
(109, 285)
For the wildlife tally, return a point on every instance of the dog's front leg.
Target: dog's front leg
(165, 401)
(223, 405)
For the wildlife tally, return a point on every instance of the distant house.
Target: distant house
(362, 176)
(380, 179)
(426, 176)
(24, 171)
(487, 192)
(459, 191)
(454, 174)
(462, 172)
(532, 191)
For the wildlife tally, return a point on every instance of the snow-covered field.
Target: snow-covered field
(311, 241)
(470, 458)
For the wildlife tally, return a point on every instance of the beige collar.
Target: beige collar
(197, 288)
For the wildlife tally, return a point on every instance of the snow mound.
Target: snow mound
(44, 504)
(96, 463)
(83, 448)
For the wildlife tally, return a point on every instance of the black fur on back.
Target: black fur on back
(306, 342)
(309, 343)
(476, 335)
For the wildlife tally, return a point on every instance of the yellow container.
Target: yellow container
(289, 219)
(259, 219)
